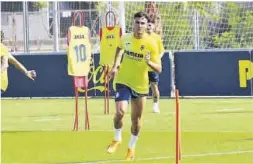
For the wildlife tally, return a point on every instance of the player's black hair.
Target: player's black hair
(141, 14)
(151, 21)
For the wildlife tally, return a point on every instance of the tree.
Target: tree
(40, 4)
(240, 34)
(177, 21)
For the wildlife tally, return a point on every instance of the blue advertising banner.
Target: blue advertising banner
(53, 81)
(52, 78)
(213, 73)
(165, 83)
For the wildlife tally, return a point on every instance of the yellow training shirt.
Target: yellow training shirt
(79, 51)
(109, 42)
(159, 43)
(4, 75)
(134, 70)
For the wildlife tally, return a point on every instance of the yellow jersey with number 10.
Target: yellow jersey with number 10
(4, 75)
(109, 42)
(79, 51)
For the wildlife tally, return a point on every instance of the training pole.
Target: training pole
(106, 89)
(178, 141)
(75, 128)
(87, 121)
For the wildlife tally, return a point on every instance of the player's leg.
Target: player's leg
(154, 79)
(137, 105)
(156, 96)
(122, 97)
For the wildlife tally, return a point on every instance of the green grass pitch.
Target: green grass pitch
(212, 130)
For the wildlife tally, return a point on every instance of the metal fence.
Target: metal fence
(34, 31)
(29, 27)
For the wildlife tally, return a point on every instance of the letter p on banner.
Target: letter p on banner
(245, 72)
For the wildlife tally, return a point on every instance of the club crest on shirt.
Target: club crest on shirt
(142, 47)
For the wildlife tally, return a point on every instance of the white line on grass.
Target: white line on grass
(171, 157)
(230, 109)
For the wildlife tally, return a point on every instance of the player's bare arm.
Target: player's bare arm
(68, 37)
(117, 59)
(161, 54)
(31, 74)
(155, 66)
(4, 63)
(161, 48)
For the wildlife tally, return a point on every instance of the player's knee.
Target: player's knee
(156, 91)
(154, 85)
(119, 115)
(121, 106)
(156, 94)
